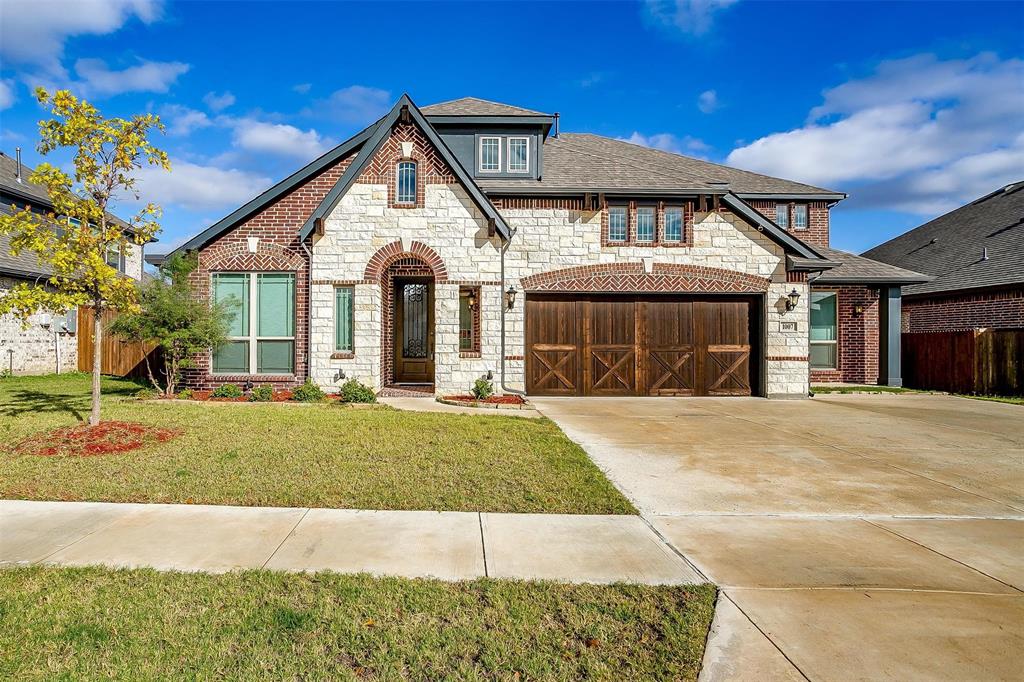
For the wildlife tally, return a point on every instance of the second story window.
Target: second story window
(518, 155)
(617, 223)
(782, 216)
(645, 224)
(115, 257)
(490, 154)
(406, 190)
(800, 216)
(673, 224)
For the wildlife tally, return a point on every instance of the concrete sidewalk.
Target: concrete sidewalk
(445, 545)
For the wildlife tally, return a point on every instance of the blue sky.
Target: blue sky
(911, 108)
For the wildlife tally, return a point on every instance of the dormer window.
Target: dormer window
(518, 155)
(405, 192)
(490, 154)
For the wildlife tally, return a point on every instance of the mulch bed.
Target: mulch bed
(283, 396)
(493, 400)
(107, 437)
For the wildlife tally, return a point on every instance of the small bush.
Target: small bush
(354, 392)
(185, 394)
(308, 393)
(6, 373)
(482, 389)
(261, 394)
(227, 391)
(146, 394)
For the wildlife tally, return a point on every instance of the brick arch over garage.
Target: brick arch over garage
(631, 277)
(393, 252)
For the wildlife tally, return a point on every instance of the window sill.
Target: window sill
(343, 355)
(469, 354)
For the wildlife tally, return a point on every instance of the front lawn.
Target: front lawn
(321, 455)
(860, 388)
(93, 623)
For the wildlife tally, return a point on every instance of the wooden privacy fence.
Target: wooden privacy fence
(983, 361)
(119, 358)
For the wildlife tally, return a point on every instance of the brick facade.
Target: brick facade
(858, 336)
(817, 232)
(963, 310)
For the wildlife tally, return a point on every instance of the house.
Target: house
(975, 255)
(471, 238)
(49, 343)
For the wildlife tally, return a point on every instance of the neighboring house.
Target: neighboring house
(975, 255)
(471, 238)
(49, 343)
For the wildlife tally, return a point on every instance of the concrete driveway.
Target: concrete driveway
(855, 537)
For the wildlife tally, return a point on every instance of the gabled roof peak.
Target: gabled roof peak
(474, 106)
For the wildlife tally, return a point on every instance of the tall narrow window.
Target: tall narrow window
(824, 330)
(518, 155)
(261, 331)
(490, 154)
(617, 223)
(406, 191)
(645, 224)
(673, 224)
(782, 215)
(344, 319)
(799, 216)
(469, 319)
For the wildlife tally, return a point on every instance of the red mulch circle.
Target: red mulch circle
(105, 438)
(493, 400)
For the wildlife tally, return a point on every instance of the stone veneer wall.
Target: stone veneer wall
(447, 223)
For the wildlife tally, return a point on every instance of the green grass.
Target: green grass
(866, 388)
(92, 623)
(1012, 400)
(301, 455)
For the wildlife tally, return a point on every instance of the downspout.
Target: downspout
(504, 309)
(309, 311)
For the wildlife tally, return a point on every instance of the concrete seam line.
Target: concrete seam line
(77, 540)
(765, 634)
(946, 556)
(866, 588)
(285, 538)
(673, 549)
(483, 544)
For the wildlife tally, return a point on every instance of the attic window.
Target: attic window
(490, 154)
(406, 191)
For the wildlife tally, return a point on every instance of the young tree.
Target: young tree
(180, 324)
(107, 151)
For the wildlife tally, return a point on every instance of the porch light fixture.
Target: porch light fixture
(510, 297)
(792, 299)
(472, 300)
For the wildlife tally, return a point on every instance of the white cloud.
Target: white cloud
(181, 120)
(355, 104)
(918, 134)
(98, 79)
(33, 31)
(198, 188)
(218, 102)
(707, 102)
(670, 143)
(279, 138)
(7, 94)
(690, 17)
(302, 88)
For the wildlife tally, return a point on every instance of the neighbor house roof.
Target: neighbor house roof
(853, 269)
(473, 106)
(581, 162)
(977, 245)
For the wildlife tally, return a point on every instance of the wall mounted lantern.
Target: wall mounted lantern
(510, 297)
(472, 300)
(792, 299)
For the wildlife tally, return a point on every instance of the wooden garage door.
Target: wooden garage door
(615, 346)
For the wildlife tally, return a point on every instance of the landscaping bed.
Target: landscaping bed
(317, 456)
(501, 402)
(105, 438)
(94, 623)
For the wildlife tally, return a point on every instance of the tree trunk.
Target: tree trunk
(97, 362)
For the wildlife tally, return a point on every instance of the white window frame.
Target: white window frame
(120, 267)
(508, 154)
(833, 342)
(398, 183)
(625, 212)
(253, 338)
(480, 154)
(654, 224)
(682, 225)
(784, 225)
(807, 216)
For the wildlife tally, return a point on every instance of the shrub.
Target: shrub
(308, 393)
(354, 392)
(261, 394)
(227, 391)
(185, 394)
(146, 394)
(482, 389)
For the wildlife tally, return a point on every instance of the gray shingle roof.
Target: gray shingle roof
(951, 247)
(473, 106)
(585, 162)
(858, 269)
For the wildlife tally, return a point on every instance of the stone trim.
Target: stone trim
(387, 255)
(630, 277)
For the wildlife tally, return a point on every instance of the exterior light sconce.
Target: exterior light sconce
(510, 297)
(792, 299)
(858, 310)
(472, 300)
